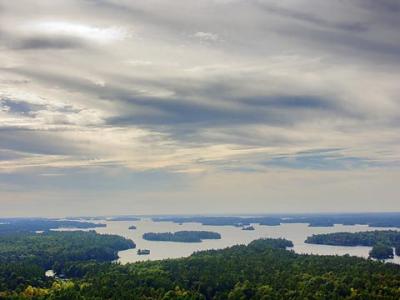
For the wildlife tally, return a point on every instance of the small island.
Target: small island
(182, 236)
(248, 228)
(143, 252)
(132, 227)
(381, 251)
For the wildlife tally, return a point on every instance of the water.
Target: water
(297, 233)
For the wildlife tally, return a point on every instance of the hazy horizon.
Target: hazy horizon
(188, 107)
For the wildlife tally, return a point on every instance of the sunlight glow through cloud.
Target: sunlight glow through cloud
(99, 34)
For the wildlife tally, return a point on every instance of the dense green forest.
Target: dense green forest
(383, 241)
(316, 220)
(261, 270)
(24, 257)
(182, 236)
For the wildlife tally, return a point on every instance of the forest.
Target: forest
(262, 270)
(363, 238)
(382, 241)
(182, 236)
(24, 257)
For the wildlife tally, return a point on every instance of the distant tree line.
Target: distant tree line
(181, 236)
(314, 220)
(13, 225)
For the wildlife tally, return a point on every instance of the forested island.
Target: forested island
(261, 270)
(382, 241)
(181, 236)
(314, 220)
(250, 228)
(381, 251)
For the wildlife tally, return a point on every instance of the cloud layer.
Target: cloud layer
(191, 92)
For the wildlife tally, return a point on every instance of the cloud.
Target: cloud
(48, 43)
(172, 88)
(206, 36)
(312, 19)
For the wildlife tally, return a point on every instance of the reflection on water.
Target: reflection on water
(297, 233)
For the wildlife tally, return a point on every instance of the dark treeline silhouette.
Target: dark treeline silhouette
(37, 224)
(317, 220)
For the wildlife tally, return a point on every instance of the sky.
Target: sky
(195, 107)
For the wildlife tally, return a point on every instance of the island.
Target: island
(314, 220)
(132, 227)
(382, 241)
(143, 252)
(248, 228)
(222, 221)
(381, 251)
(181, 236)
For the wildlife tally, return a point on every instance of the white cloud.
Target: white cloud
(206, 36)
(79, 30)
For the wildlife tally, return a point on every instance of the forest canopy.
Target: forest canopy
(261, 270)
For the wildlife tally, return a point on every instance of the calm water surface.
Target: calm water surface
(297, 233)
